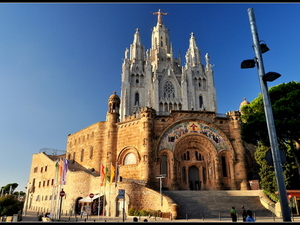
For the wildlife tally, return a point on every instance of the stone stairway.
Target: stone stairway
(217, 204)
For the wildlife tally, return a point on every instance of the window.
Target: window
(224, 168)
(164, 165)
(200, 101)
(129, 159)
(91, 152)
(169, 89)
(137, 99)
(187, 155)
(82, 154)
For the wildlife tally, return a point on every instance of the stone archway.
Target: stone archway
(195, 158)
(199, 144)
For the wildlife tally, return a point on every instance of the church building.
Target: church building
(163, 132)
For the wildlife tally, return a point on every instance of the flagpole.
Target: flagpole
(110, 181)
(100, 184)
(105, 178)
(115, 202)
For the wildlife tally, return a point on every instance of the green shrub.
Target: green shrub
(9, 205)
(131, 211)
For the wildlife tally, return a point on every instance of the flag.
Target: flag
(106, 173)
(117, 175)
(56, 173)
(61, 165)
(64, 171)
(112, 173)
(102, 175)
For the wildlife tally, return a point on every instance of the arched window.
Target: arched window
(200, 101)
(164, 165)
(91, 152)
(137, 99)
(224, 167)
(82, 154)
(129, 159)
(169, 89)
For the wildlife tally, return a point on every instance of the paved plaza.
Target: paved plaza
(31, 217)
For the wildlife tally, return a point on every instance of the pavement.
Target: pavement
(31, 217)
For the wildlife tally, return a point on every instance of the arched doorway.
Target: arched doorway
(194, 182)
(195, 156)
(78, 206)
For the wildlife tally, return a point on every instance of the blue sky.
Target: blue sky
(60, 62)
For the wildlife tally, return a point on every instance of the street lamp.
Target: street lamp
(161, 176)
(263, 78)
(27, 196)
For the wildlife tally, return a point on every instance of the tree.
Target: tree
(9, 205)
(286, 111)
(9, 188)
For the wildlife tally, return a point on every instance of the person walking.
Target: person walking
(249, 217)
(244, 213)
(233, 214)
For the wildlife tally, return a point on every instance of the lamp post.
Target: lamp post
(161, 176)
(27, 196)
(263, 78)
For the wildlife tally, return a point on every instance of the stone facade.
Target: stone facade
(191, 146)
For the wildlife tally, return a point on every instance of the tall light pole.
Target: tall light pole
(27, 197)
(263, 78)
(161, 176)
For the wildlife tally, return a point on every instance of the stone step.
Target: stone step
(213, 204)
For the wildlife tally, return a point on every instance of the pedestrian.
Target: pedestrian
(233, 214)
(249, 217)
(244, 213)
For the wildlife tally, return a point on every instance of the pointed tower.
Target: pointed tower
(136, 76)
(201, 92)
(156, 78)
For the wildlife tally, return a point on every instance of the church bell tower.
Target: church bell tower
(155, 78)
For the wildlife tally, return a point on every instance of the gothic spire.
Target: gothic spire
(193, 53)
(137, 37)
(193, 44)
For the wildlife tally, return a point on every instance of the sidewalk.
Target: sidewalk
(31, 217)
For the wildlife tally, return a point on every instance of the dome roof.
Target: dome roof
(245, 102)
(114, 96)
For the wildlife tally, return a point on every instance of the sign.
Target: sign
(91, 195)
(121, 193)
(62, 194)
(160, 176)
